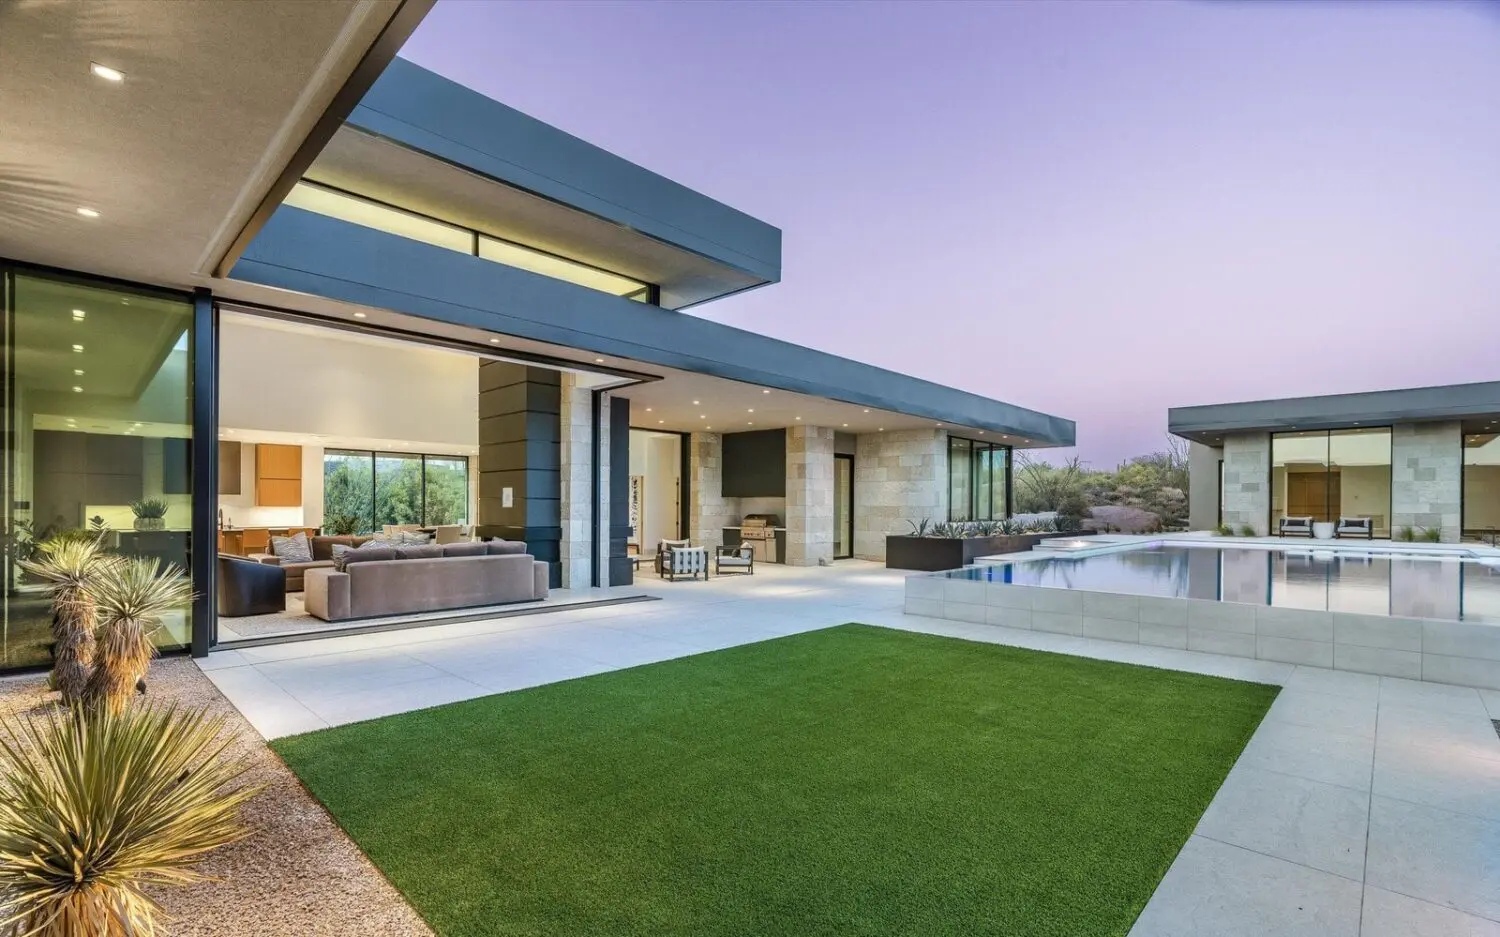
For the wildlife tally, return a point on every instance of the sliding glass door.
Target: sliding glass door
(1331, 474)
(978, 480)
(843, 507)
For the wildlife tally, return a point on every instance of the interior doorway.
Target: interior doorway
(656, 490)
(843, 507)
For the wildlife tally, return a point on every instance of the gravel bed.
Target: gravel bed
(296, 875)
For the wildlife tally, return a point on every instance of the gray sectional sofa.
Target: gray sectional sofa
(405, 579)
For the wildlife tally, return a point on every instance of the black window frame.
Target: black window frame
(974, 447)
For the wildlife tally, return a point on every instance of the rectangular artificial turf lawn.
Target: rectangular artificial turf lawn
(851, 781)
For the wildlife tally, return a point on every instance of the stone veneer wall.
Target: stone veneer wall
(898, 476)
(709, 512)
(1247, 480)
(809, 495)
(576, 456)
(1427, 477)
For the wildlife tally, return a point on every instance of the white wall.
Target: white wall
(335, 385)
(657, 457)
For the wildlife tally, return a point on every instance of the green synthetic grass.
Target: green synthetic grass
(853, 781)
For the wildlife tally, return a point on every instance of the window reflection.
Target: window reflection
(99, 414)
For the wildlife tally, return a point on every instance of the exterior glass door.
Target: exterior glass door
(843, 507)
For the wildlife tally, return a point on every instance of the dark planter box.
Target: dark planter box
(932, 554)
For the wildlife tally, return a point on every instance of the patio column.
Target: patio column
(898, 476)
(809, 495)
(518, 443)
(1427, 470)
(576, 469)
(1247, 481)
(709, 511)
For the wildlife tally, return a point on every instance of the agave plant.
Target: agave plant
(921, 528)
(131, 595)
(70, 565)
(94, 810)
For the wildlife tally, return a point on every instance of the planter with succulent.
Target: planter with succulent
(931, 547)
(150, 514)
(99, 812)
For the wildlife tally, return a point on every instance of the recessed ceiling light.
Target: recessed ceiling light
(766, 391)
(880, 429)
(359, 315)
(695, 403)
(598, 360)
(78, 372)
(77, 389)
(751, 423)
(710, 427)
(799, 417)
(940, 424)
(648, 409)
(846, 424)
(661, 421)
(752, 409)
(107, 73)
(79, 314)
(703, 416)
(88, 212)
(981, 432)
(135, 424)
(867, 409)
(78, 348)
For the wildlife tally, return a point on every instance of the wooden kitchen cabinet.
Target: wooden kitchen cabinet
(278, 475)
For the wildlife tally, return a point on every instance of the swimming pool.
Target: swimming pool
(1403, 585)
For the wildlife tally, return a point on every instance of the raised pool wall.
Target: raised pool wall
(1436, 650)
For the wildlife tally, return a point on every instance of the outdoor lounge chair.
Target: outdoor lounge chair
(1355, 527)
(685, 561)
(663, 549)
(1296, 526)
(740, 559)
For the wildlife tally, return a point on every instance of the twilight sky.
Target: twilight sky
(1095, 209)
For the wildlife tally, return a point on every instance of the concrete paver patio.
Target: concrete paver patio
(1363, 805)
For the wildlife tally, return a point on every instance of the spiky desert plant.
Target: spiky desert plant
(131, 595)
(70, 565)
(97, 808)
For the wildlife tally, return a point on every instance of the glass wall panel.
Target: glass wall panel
(445, 490)
(349, 487)
(960, 479)
(1299, 476)
(398, 489)
(1481, 507)
(978, 474)
(98, 411)
(382, 488)
(1359, 480)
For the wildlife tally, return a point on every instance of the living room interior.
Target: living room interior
(333, 440)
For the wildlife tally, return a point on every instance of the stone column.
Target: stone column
(576, 469)
(518, 488)
(1427, 471)
(898, 476)
(708, 511)
(1247, 481)
(809, 495)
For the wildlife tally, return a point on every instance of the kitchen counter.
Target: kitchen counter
(733, 538)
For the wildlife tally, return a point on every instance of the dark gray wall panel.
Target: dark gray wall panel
(298, 250)
(754, 464)
(427, 112)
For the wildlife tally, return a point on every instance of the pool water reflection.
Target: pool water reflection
(1408, 586)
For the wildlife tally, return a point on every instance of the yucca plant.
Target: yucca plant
(96, 808)
(131, 595)
(70, 565)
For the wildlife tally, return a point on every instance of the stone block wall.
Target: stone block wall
(898, 476)
(709, 512)
(1247, 480)
(809, 495)
(576, 463)
(1203, 486)
(1427, 477)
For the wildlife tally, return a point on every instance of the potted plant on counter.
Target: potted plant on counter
(150, 514)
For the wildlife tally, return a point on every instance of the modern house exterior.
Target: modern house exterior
(277, 161)
(1422, 458)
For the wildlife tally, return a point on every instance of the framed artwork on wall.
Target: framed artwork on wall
(637, 510)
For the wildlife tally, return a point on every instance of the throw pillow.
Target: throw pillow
(293, 549)
(341, 553)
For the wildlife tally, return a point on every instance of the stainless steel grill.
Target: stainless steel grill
(757, 532)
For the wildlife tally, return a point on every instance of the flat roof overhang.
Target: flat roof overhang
(1473, 405)
(175, 176)
(422, 142)
(333, 268)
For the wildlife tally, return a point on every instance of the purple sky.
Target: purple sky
(1099, 210)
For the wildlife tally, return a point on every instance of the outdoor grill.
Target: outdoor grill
(758, 532)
